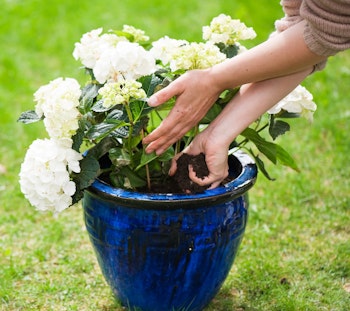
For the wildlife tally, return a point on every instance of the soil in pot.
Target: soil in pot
(180, 182)
(181, 176)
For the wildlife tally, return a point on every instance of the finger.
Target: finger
(164, 136)
(215, 185)
(200, 181)
(162, 143)
(163, 95)
(212, 179)
(173, 166)
(165, 132)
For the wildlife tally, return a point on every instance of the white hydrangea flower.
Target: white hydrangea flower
(44, 175)
(299, 101)
(164, 47)
(226, 30)
(92, 45)
(196, 56)
(138, 34)
(121, 92)
(127, 59)
(58, 102)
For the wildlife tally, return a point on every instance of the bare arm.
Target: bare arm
(281, 55)
(197, 90)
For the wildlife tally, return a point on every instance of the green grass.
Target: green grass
(296, 252)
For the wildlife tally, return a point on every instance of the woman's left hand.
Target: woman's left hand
(215, 158)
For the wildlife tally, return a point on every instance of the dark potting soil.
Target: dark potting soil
(200, 168)
(181, 182)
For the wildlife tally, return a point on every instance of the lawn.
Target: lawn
(296, 251)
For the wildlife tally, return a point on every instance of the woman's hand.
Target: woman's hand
(195, 95)
(215, 157)
(249, 103)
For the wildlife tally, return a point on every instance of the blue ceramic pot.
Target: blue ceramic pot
(165, 252)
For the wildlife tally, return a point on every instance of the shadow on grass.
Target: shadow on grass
(225, 300)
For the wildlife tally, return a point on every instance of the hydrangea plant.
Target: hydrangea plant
(109, 115)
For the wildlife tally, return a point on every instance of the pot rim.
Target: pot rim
(229, 191)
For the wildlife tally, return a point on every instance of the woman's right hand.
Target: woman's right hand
(195, 95)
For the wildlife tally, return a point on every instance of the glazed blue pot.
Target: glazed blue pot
(167, 252)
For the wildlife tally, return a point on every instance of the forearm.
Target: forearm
(249, 104)
(283, 54)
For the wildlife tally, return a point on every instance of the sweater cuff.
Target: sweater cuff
(315, 44)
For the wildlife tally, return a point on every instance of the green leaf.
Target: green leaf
(274, 152)
(90, 169)
(278, 128)
(29, 117)
(211, 114)
(146, 158)
(265, 147)
(99, 131)
(126, 178)
(149, 83)
(287, 115)
(285, 158)
(134, 179)
(227, 95)
(119, 157)
(88, 95)
(103, 147)
(136, 108)
(229, 50)
(79, 136)
(98, 107)
(117, 114)
(261, 165)
(120, 132)
(127, 35)
(167, 155)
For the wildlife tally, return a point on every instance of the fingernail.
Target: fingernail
(148, 150)
(151, 101)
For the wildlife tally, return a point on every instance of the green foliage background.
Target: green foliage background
(295, 255)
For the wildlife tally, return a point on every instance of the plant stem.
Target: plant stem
(148, 177)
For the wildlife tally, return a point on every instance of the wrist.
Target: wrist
(220, 78)
(221, 133)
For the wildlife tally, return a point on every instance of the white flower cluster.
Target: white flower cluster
(138, 34)
(164, 47)
(111, 57)
(92, 45)
(44, 176)
(224, 29)
(58, 102)
(128, 60)
(299, 101)
(181, 55)
(196, 56)
(45, 173)
(121, 92)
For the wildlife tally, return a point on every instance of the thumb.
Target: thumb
(173, 166)
(211, 180)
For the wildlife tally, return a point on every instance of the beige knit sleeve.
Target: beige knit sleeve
(328, 25)
(292, 15)
(291, 9)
